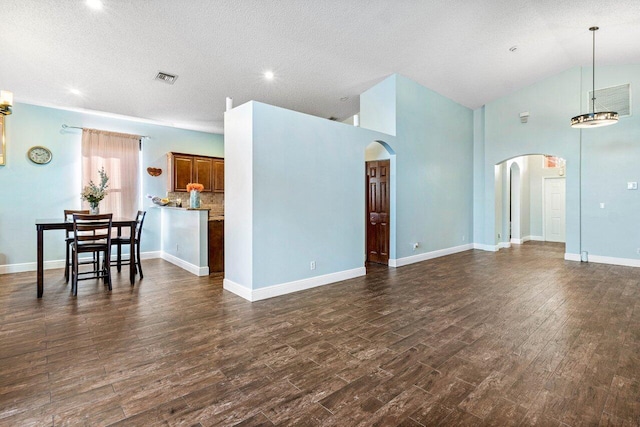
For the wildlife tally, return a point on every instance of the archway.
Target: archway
(524, 197)
(380, 203)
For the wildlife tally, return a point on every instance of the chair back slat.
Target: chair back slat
(92, 229)
(139, 222)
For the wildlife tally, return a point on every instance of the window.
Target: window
(118, 153)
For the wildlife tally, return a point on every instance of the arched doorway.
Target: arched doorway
(380, 203)
(530, 203)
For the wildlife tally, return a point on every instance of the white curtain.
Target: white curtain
(118, 154)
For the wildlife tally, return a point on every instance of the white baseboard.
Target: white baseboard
(536, 238)
(237, 289)
(518, 241)
(58, 263)
(191, 268)
(489, 248)
(30, 266)
(290, 287)
(627, 262)
(571, 257)
(399, 262)
(502, 245)
(151, 255)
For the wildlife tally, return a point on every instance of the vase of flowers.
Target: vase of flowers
(93, 193)
(194, 190)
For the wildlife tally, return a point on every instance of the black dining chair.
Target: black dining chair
(121, 241)
(91, 234)
(68, 216)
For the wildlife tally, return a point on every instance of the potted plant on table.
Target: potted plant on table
(94, 194)
(194, 190)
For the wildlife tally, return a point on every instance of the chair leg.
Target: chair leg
(74, 274)
(138, 262)
(119, 260)
(107, 262)
(66, 264)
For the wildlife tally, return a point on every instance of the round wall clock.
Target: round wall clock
(39, 155)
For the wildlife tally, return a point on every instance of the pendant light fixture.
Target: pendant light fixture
(593, 119)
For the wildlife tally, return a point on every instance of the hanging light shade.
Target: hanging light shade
(593, 119)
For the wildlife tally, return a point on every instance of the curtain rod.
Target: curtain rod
(78, 127)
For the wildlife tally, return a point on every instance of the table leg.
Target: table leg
(40, 262)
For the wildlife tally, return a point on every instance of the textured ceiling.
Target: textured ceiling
(320, 51)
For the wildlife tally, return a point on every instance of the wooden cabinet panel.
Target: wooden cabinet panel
(204, 172)
(182, 173)
(186, 168)
(216, 246)
(218, 175)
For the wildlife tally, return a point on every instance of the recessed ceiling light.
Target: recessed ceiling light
(94, 4)
(513, 48)
(268, 75)
(75, 92)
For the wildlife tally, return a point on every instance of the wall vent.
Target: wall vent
(166, 77)
(614, 98)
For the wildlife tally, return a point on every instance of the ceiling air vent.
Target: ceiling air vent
(614, 98)
(166, 77)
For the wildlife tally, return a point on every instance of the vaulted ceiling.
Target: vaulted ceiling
(323, 53)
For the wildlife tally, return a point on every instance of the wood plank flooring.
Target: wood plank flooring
(518, 337)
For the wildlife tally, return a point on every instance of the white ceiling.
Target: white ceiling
(319, 50)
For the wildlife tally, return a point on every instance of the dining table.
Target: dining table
(61, 224)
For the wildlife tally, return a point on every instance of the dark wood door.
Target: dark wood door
(378, 181)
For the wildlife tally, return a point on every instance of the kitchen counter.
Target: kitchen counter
(185, 238)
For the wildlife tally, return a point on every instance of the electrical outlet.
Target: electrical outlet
(499, 236)
(312, 265)
(415, 246)
(464, 237)
(177, 247)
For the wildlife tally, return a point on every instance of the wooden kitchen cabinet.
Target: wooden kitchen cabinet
(203, 167)
(180, 171)
(218, 175)
(216, 246)
(186, 168)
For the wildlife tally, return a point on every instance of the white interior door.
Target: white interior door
(554, 209)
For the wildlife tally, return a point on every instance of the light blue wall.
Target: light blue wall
(479, 224)
(308, 195)
(29, 191)
(608, 157)
(378, 106)
(551, 103)
(611, 158)
(434, 156)
(238, 181)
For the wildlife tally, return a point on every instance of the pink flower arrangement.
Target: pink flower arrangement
(194, 186)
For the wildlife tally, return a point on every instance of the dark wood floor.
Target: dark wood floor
(519, 337)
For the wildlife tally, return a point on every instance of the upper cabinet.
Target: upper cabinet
(186, 168)
(218, 175)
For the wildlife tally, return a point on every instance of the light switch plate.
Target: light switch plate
(632, 185)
